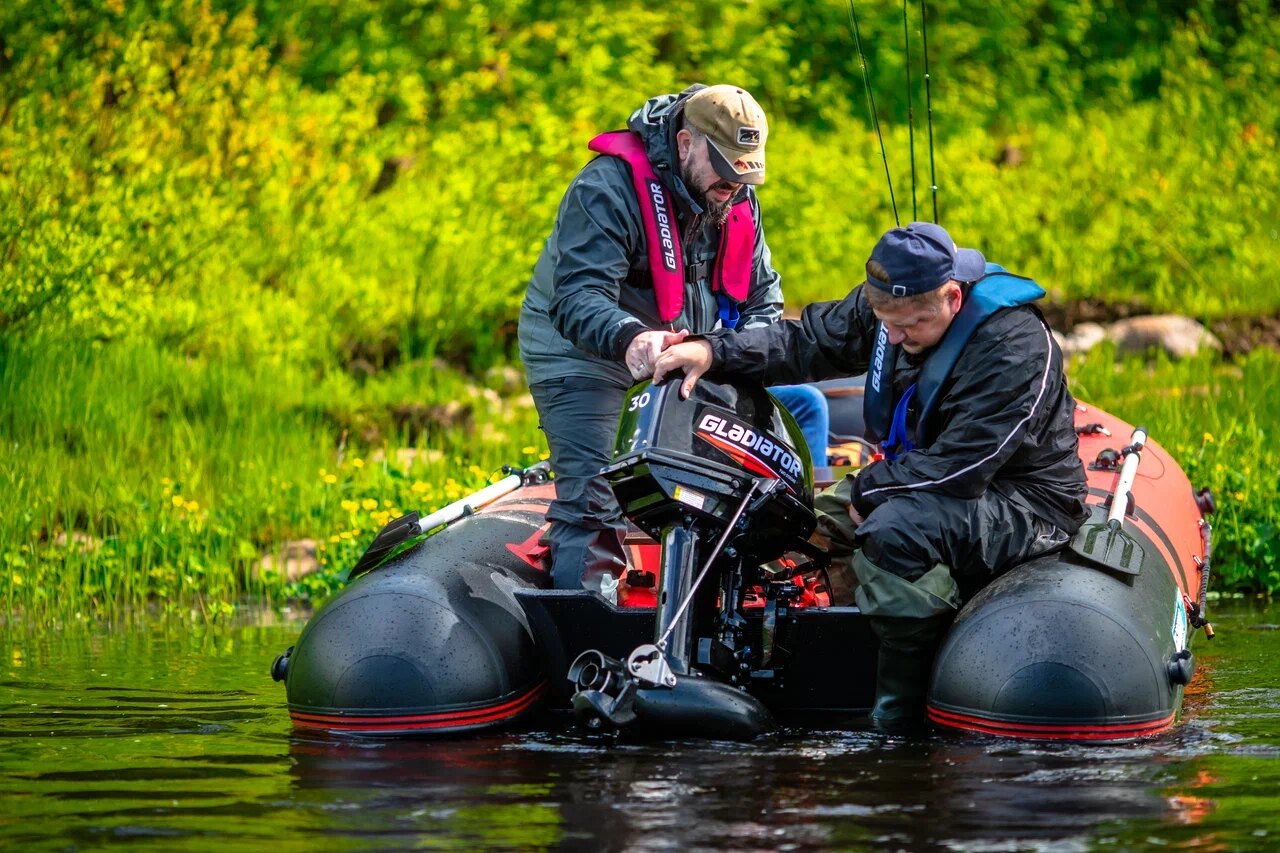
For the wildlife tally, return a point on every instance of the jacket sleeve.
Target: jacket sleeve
(830, 339)
(764, 300)
(1001, 385)
(596, 236)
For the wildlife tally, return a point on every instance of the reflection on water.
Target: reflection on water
(176, 738)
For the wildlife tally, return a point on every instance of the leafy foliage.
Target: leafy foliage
(255, 233)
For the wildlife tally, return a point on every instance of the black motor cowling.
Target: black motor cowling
(721, 480)
(677, 457)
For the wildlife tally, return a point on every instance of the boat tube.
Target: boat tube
(722, 625)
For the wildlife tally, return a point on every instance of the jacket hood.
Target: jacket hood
(656, 123)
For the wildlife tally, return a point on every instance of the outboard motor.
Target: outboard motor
(723, 482)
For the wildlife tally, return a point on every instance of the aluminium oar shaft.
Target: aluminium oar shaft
(469, 504)
(1128, 471)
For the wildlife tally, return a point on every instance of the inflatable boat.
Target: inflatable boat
(722, 625)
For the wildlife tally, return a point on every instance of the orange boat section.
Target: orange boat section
(1163, 507)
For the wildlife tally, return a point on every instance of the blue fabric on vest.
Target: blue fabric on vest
(729, 313)
(995, 291)
(899, 440)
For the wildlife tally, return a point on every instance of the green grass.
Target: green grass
(246, 249)
(136, 477)
(139, 479)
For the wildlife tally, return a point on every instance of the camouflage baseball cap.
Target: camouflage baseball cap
(736, 130)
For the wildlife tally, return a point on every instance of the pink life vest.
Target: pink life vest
(732, 274)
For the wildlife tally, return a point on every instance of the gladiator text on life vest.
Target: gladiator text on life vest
(659, 200)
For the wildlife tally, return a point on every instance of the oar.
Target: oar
(410, 526)
(1106, 542)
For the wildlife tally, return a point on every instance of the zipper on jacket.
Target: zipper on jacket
(696, 304)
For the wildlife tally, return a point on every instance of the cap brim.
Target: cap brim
(724, 166)
(970, 265)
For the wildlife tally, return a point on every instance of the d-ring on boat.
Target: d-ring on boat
(722, 625)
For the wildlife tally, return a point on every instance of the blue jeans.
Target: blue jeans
(809, 407)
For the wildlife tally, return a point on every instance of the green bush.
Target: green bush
(255, 232)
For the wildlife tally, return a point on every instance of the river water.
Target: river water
(173, 737)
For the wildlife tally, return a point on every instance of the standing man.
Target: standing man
(660, 235)
(966, 395)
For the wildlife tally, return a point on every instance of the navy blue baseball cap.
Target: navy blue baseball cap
(919, 258)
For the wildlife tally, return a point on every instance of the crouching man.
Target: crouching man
(966, 396)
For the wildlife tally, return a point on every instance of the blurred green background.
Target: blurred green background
(262, 262)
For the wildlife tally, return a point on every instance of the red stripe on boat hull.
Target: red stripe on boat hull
(436, 721)
(1050, 731)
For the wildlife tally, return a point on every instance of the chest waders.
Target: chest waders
(910, 616)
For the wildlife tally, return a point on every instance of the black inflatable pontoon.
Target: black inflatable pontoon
(723, 626)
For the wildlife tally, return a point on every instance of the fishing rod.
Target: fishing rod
(928, 107)
(875, 118)
(911, 114)
(871, 107)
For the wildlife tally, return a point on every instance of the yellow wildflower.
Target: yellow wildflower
(369, 504)
(1208, 438)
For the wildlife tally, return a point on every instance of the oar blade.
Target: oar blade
(1107, 545)
(395, 534)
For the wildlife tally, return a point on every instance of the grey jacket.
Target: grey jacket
(591, 292)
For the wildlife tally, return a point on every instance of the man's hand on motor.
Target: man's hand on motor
(643, 351)
(693, 357)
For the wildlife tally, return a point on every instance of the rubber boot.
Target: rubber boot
(909, 618)
(907, 650)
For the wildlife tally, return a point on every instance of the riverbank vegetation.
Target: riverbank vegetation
(254, 254)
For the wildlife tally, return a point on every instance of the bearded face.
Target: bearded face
(713, 193)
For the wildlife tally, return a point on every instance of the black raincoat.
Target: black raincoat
(1004, 421)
